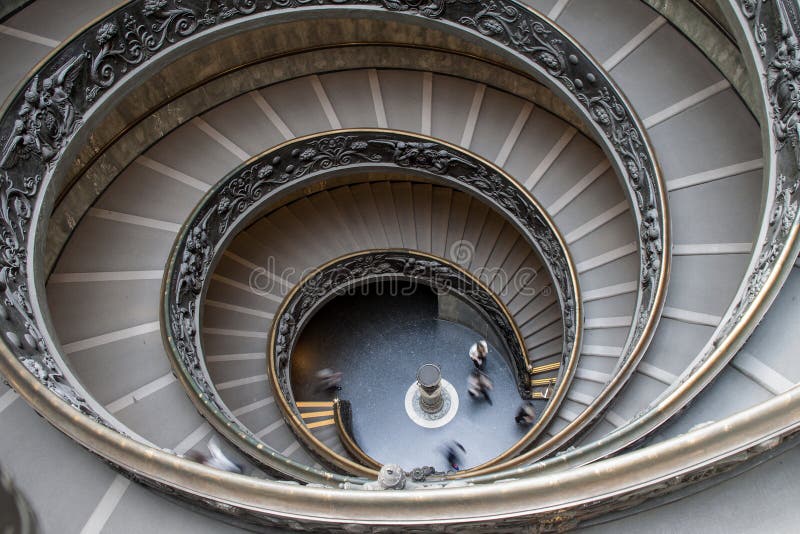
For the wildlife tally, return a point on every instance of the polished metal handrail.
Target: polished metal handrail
(343, 273)
(234, 202)
(631, 476)
(84, 77)
(768, 33)
(343, 419)
(556, 500)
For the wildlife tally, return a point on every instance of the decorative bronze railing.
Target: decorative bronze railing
(83, 75)
(768, 33)
(80, 81)
(342, 274)
(238, 199)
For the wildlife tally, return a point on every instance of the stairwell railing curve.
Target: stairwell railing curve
(261, 183)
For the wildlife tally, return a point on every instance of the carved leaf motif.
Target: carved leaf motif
(130, 36)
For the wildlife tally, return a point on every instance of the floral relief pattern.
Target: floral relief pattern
(335, 278)
(46, 116)
(50, 111)
(775, 32)
(232, 198)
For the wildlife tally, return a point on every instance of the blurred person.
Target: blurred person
(219, 460)
(452, 452)
(479, 385)
(328, 380)
(478, 352)
(216, 459)
(526, 414)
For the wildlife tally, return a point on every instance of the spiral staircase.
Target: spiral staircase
(619, 178)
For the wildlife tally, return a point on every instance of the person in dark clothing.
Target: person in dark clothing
(526, 414)
(451, 452)
(328, 380)
(479, 385)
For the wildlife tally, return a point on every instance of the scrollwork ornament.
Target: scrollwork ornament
(141, 35)
(426, 8)
(220, 10)
(336, 278)
(132, 35)
(751, 9)
(49, 114)
(775, 33)
(45, 116)
(235, 197)
(46, 119)
(68, 87)
(782, 219)
(20, 330)
(507, 23)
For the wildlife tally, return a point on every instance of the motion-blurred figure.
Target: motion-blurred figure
(478, 352)
(526, 414)
(216, 459)
(328, 380)
(479, 385)
(452, 452)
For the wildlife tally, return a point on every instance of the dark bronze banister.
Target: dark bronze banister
(553, 500)
(235, 201)
(339, 275)
(87, 71)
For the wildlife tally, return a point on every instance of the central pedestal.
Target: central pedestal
(431, 401)
(429, 380)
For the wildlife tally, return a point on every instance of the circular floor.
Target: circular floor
(379, 341)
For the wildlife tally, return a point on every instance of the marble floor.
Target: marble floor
(379, 341)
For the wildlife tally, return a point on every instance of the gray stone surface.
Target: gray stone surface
(58, 19)
(25, 53)
(63, 481)
(760, 500)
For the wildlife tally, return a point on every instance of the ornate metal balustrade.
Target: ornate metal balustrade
(340, 275)
(42, 119)
(238, 199)
(768, 32)
(80, 80)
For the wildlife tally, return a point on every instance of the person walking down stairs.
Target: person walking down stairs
(452, 452)
(328, 380)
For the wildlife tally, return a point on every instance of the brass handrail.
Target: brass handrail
(353, 269)
(104, 79)
(234, 201)
(342, 416)
(558, 499)
(775, 417)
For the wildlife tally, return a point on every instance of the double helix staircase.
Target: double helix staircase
(108, 255)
